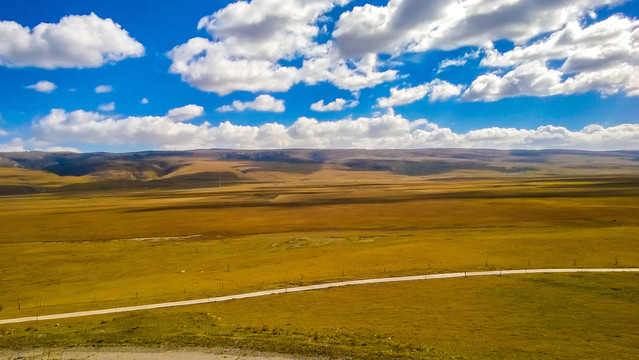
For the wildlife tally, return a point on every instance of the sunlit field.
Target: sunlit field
(145, 228)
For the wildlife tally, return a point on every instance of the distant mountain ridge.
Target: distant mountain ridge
(31, 172)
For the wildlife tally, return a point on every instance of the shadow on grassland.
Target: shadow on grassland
(625, 189)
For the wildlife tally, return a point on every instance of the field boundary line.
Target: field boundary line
(462, 274)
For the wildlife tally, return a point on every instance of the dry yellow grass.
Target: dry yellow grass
(85, 249)
(577, 316)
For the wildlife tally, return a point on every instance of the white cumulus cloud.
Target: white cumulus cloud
(103, 89)
(601, 45)
(250, 40)
(338, 104)
(602, 57)
(15, 145)
(185, 113)
(43, 86)
(436, 90)
(417, 25)
(460, 61)
(107, 107)
(77, 41)
(265, 103)
(268, 29)
(353, 75)
(531, 79)
(209, 66)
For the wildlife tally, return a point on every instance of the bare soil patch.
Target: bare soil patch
(141, 354)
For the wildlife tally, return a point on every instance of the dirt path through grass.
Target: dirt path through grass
(309, 288)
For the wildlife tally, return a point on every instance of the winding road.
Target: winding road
(309, 288)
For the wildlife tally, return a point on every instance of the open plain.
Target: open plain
(93, 231)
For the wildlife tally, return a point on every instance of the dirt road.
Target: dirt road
(309, 288)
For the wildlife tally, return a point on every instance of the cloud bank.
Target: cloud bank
(15, 145)
(387, 131)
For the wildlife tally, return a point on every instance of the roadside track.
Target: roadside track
(309, 288)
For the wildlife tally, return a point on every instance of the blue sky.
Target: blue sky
(318, 74)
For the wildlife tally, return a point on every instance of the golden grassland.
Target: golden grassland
(577, 316)
(84, 245)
